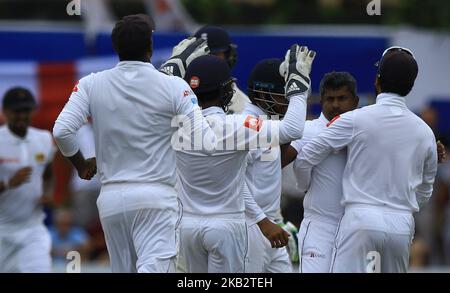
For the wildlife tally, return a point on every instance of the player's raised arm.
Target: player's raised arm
(265, 133)
(182, 55)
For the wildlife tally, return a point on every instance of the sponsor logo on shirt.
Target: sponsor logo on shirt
(315, 255)
(253, 123)
(334, 120)
(9, 160)
(39, 157)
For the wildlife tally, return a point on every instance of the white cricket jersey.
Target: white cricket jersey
(323, 182)
(132, 107)
(214, 184)
(263, 174)
(392, 157)
(20, 205)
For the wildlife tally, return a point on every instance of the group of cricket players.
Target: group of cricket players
(191, 166)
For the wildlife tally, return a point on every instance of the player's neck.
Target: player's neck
(206, 105)
(18, 133)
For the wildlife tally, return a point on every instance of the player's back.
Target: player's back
(387, 157)
(132, 108)
(212, 184)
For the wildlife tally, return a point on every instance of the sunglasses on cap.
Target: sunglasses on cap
(395, 48)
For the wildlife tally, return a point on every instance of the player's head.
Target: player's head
(132, 38)
(266, 87)
(210, 79)
(219, 43)
(18, 105)
(338, 94)
(397, 71)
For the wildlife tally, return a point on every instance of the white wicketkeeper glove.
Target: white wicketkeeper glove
(296, 69)
(292, 243)
(183, 54)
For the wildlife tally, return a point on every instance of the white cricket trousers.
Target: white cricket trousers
(315, 243)
(262, 258)
(213, 244)
(25, 250)
(373, 239)
(139, 222)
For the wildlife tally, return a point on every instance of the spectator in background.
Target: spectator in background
(431, 118)
(67, 237)
(431, 246)
(443, 206)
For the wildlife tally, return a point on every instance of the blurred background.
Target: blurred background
(48, 45)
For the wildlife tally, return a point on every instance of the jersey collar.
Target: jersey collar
(391, 99)
(135, 63)
(212, 110)
(14, 138)
(323, 119)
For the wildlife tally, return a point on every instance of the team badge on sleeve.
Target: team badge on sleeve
(75, 88)
(253, 122)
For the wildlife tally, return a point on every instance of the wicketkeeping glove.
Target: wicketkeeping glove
(183, 54)
(292, 246)
(296, 69)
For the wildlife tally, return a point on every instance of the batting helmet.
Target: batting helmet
(266, 87)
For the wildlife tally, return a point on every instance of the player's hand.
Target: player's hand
(296, 69)
(442, 156)
(22, 176)
(276, 235)
(183, 54)
(88, 169)
(292, 246)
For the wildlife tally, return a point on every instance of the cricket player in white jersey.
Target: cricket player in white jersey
(220, 45)
(212, 188)
(132, 106)
(26, 154)
(323, 186)
(391, 166)
(263, 173)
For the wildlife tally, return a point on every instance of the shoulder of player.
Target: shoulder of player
(312, 128)
(422, 125)
(175, 84)
(40, 135)
(37, 132)
(86, 81)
